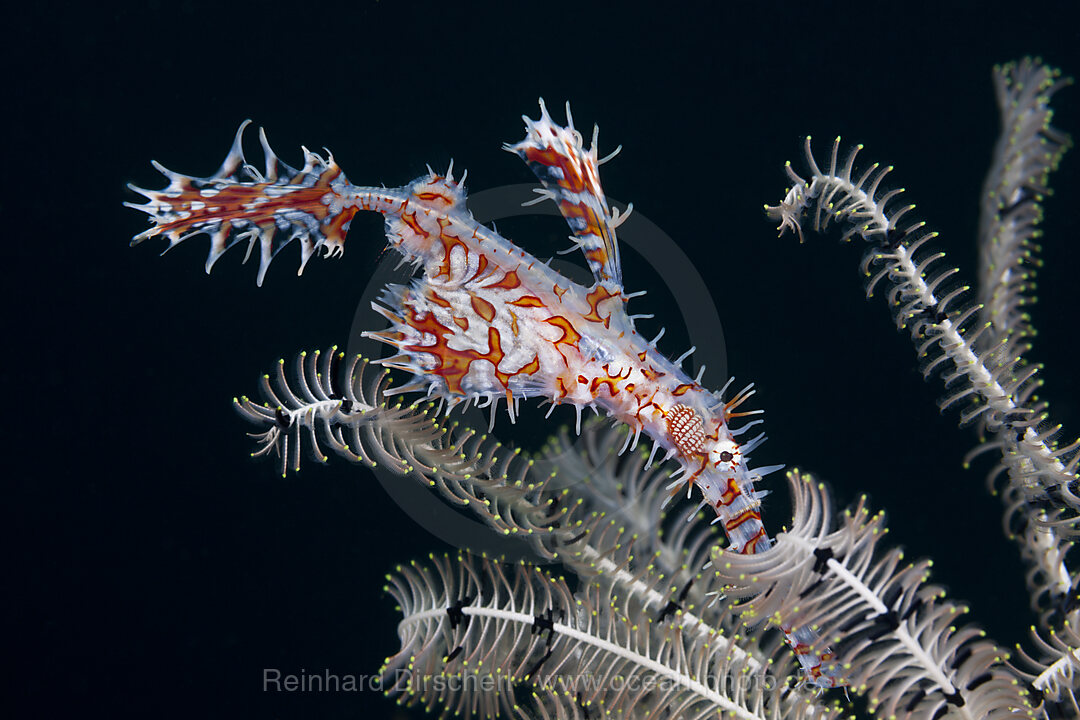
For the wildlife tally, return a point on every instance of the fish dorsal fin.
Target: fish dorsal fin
(570, 176)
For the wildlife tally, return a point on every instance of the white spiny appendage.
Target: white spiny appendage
(652, 454)
(838, 196)
(628, 496)
(760, 472)
(631, 441)
(460, 613)
(1027, 151)
(542, 195)
(868, 604)
(292, 411)
(688, 353)
(1055, 670)
(743, 428)
(342, 417)
(610, 156)
(994, 395)
(720, 393)
(693, 513)
(752, 443)
(618, 218)
(700, 374)
(574, 247)
(592, 544)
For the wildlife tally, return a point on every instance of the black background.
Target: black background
(153, 568)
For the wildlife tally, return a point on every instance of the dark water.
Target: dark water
(155, 569)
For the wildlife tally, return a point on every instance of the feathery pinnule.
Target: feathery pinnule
(660, 621)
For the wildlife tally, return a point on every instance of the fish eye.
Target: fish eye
(725, 451)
